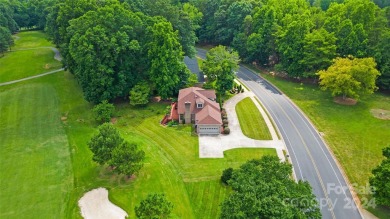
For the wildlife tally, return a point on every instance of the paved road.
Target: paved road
(310, 157)
(193, 66)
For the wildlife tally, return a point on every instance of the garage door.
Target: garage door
(208, 130)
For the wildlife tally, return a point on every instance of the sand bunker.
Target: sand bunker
(95, 205)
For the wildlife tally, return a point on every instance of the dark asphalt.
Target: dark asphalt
(310, 157)
(192, 65)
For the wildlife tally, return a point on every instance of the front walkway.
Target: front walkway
(214, 146)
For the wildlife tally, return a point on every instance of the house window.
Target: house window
(199, 105)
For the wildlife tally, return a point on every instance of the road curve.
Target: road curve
(310, 157)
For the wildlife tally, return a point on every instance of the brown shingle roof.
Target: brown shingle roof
(191, 94)
(208, 115)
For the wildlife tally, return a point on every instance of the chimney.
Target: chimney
(187, 113)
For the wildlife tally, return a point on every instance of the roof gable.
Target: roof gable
(193, 95)
(208, 115)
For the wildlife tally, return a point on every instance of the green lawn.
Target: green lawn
(172, 162)
(31, 39)
(36, 175)
(251, 121)
(33, 61)
(20, 64)
(354, 135)
(47, 166)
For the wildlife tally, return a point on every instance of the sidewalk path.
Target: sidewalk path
(32, 77)
(214, 146)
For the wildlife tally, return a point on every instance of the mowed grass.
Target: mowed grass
(172, 162)
(251, 121)
(27, 58)
(354, 135)
(207, 196)
(36, 175)
(20, 64)
(31, 39)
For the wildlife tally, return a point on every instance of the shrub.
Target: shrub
(208, 85)
(139, 94)
(192, 80)
(154, 206)
(103, 111)
(224, 117)
(172, 123)
(226, 175)
(225, 121)
(226, 130)
(168, 110)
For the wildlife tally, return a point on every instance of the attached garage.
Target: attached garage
(208, 129)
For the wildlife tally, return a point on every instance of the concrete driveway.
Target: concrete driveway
(214, 146)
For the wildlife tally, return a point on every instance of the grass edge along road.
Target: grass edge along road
(353, 134)
(251, 121)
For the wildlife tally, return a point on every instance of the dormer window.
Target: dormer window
(199, 103)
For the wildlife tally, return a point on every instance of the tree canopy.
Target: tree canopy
(263, 188)
(288, 34)
(108, 147)
(104, 142)
(6, 40)
(127, 159)
(166, 58)
(154, 206)
(103, 111)
(350, 77)
(220, 66)
(380, 179)
(300, 37)
(139, 94)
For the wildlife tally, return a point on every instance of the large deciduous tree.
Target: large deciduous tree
(155, 206)
(6, 40)
(127, 159)
(166, 59)
(7, 16)
(319, 50)
(104, 142)
(381, 179)
(350, 77)
(290, 43)
(382, 57)
(219, 66)
(185, 18)
(108, 147)
(263, 188)
(106, 51)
